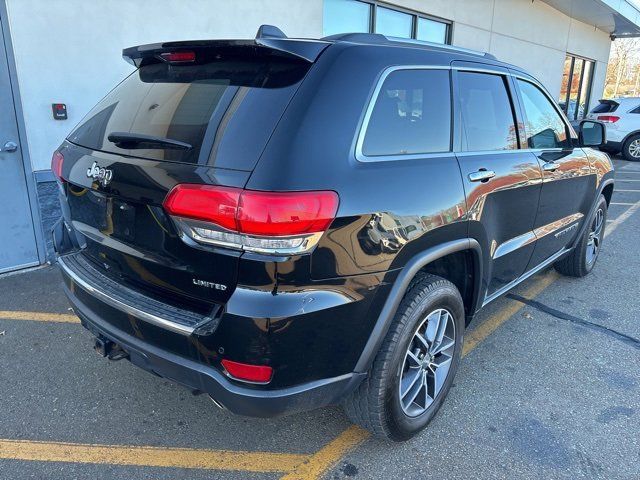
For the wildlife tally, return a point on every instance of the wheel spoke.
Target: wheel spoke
(440, 374)
(446, 344)
(443, 320)
(413, 358)
(413, 393)
(422, 342)
(408, 381)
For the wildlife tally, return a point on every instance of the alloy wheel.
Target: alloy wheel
(427, 362)
(634, 148)
(595, 237)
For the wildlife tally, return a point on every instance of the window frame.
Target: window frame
(514, 101)
(455, 148)
(373, 7)
(567, 96)
(364, 125)
(567, 126)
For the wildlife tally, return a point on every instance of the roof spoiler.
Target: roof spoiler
(268, 38)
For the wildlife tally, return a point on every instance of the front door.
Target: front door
(502, 182)
(568, 181)
(17, 235)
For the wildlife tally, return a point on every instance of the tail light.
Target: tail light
(248, 373)
(264, 222)
(608, 118)
(57, 161)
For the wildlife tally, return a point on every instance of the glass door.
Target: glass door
(575, 89)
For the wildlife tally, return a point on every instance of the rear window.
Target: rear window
(224, 111)
(605, 107)
(412, 114)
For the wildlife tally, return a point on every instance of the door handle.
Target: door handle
(9, 147)
(481, 175)
(550, 167)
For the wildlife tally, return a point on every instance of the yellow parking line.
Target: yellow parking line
(149, 456)
(329, 455)
(486, 328)
(38, 316)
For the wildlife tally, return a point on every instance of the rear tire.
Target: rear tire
(583, 257)
(631, 148)
(414, 369)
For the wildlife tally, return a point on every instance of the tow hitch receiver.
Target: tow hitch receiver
(109, 349)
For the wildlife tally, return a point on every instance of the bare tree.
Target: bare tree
(623, 65)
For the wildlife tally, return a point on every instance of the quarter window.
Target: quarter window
(411, 115)
(544, 126)
(487, 115)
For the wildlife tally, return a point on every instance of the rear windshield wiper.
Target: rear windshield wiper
(130, 141)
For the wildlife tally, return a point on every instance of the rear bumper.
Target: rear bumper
(197, 376)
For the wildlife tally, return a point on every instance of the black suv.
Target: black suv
(285, 224)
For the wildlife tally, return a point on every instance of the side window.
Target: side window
(487, 114)
(635, 110)
(545, 128)
(411, 115)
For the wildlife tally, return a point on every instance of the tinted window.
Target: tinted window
(487, 115)
(605, 107)
(412, 114)
(211, 104)
(545, 128)
(635, 110)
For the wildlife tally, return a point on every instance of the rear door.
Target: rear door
(568, 179)
(502, 182)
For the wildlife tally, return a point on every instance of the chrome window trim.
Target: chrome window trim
(498, 70)
(360, 156)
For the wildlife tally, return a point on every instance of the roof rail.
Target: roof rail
(357, 37)
(413, 41)
(379, 38)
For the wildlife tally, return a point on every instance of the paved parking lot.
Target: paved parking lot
(549, 388)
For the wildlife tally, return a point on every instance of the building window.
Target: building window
(575, 90)
(349, 16)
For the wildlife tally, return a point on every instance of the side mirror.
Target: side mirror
(592, 134)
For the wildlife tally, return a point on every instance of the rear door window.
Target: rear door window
(544, 125)
(226, 109)
(487, 114)
(411, 115)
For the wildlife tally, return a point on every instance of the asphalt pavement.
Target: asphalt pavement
(549, 388)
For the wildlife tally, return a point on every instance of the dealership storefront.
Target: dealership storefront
(59, 58)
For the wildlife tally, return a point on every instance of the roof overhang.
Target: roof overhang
(619, 18)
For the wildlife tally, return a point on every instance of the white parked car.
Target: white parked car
(622, 118)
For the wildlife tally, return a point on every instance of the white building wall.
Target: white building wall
(69, 51)
(530, 34)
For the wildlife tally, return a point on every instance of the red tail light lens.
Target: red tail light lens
(268, 222)
(278, 213)
(57, 161)
(217, 205)
(608, 118)
(178, 57)
(248, 373)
